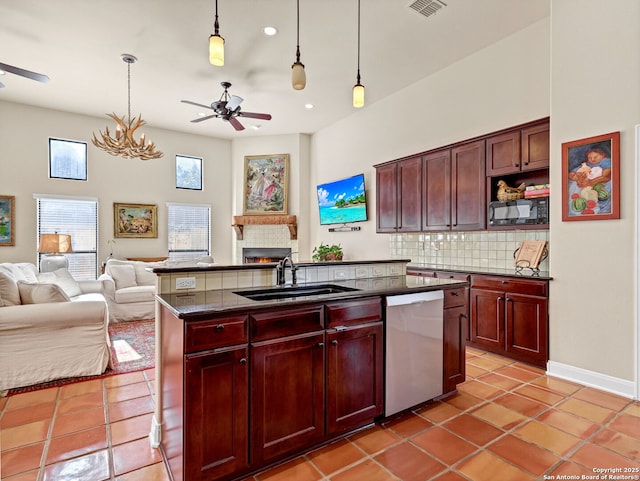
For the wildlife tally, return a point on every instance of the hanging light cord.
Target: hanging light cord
(129, 91)
(358, 77)
(216, 26)
(298, 34)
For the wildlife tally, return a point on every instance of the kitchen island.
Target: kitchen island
(243, 384)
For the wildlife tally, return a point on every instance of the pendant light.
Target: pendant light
(216, 44)
(358, 88)
(298, 76)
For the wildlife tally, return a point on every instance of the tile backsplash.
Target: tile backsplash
(464, 249)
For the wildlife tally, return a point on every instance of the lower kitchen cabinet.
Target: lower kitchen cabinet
(456, 317)
(354, 376)
(509, 316)
(217, 395)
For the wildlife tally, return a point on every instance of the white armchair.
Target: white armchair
(130, 289)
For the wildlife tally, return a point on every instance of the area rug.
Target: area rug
(132, 349)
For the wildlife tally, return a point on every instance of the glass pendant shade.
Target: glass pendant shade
(298, 76)
(358, 95)
(216, 50)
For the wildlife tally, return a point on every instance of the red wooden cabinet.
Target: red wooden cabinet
(468, 199)
(216, 420)
(509, 316)
(287, 395)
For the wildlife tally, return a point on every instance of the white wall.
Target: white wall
(24, 134)
(595, 78)
(499, 86)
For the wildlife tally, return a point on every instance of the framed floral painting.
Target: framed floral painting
(135, 220)
(7, 220)
(265, 184)
(591, 178)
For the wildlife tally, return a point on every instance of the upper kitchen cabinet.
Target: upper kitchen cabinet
(518, 150)
(437, 191)
(468, 208)
(399, 196)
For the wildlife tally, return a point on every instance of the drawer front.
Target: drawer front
(511, 284)
(227, 331)
(458, 276)
(354, 312)
(455, 297)
(419, 271)
(285, 322)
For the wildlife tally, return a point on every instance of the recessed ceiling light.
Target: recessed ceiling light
(309, 106)
(2, 72)
(270, 30)
(201, 114)
(256, 127)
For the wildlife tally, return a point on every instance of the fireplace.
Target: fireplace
(252, 255)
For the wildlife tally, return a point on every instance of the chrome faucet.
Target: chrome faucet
(280, 271)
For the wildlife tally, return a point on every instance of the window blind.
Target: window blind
(189, 231)
(77, 217)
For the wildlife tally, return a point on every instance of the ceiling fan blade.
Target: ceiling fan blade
(196, 104)
(236, 124)
(24, 73)
(234, 102)
(200, 119)
(253, 115)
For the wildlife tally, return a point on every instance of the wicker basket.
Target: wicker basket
(510, 195)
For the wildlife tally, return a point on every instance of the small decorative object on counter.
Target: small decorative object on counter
(323, 253)
(529, 255)
(510, 193)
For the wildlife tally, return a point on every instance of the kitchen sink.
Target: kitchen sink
(293, 291)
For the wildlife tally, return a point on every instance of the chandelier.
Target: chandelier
(124, 144)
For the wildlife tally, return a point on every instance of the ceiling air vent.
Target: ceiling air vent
(427, 7)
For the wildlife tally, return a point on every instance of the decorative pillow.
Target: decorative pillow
(40, 293)
(64, 279)
(9, 293)
(143, 276)
(123, 276)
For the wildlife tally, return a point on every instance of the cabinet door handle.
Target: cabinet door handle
(243, 360)
(463, 316)
(219, 327)
(334, 342)
(456, 293)
(320, 344)
(516, 165)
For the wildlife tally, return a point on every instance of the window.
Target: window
(67, 159)
(189, 231)
(78, 217)
(188, 172)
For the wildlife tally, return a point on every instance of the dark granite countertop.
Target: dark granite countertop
(168, 268)
(205, 303)
(494, 271)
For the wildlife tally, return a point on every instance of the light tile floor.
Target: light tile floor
(508, 422)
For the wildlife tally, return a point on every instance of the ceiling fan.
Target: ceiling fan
(228, 109)
(23, 73)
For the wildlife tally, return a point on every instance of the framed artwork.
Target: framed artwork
(591, 178)
(188, 172)
(67, 159)
(7, 220)
(135, 220)
(265, 184)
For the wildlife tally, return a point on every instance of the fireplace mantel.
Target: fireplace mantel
(239, 221)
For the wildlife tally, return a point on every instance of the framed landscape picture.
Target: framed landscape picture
(591, 178)
(135, 220)
(67, 159)
(7, 220)
(188, 172)
(265, 184)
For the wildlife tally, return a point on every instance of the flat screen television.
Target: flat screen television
(342, 201)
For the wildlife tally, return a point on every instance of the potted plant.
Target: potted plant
(325, 252)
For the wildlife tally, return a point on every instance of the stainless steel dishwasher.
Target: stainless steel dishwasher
(413, 349)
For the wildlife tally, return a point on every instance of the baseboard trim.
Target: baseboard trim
(597, 380)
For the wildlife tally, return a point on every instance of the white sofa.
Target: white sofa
(51, 326)
(130, 289)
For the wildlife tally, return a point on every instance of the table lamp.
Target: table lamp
(54, 246)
